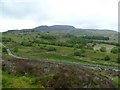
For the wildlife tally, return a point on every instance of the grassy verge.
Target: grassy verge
(116, 80)
(12, 81)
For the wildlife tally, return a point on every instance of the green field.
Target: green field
(66, 54)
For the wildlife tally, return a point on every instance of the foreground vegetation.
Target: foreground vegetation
(35, 74)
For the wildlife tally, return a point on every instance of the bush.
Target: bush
(118, 60)
(50, 49)
(26, 43)
(6, 39)
(106, 58)
(103, 49)
(15, 49)
(82, 50)
(89, 47)
(79, 53)
(115, 50)
(4, 49)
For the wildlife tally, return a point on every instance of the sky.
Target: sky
(87, 14)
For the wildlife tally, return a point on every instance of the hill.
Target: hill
(54, 27)
(45, 56)
(67, 29)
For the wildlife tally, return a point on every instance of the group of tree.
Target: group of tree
(96, 37)
(4, 39)
(47, 36)
(77, 40)
(75, 43)
(110, 43)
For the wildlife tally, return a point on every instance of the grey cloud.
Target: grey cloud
(23, 9)
(48, 11)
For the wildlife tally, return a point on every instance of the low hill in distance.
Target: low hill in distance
(55, 27)
(68, 29)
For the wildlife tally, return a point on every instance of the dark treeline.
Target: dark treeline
(96, 37)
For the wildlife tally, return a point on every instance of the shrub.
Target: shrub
(26, 43)
(89, 47)
(118, 60)
(79, 53)
(4, 49)
(103, 49)
(82, 50)
(47, 36)
(6, 39)
(76, 46)
(50, 49)
(115, 50)
(15, 49)
(107, 58)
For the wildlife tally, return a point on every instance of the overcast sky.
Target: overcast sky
(24, 14)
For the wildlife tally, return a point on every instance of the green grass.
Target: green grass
(100, 55)
(12, 81)
(66, 54)
(7, 56)
(108, 47)
(116, 80)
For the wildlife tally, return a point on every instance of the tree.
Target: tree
(103, 49)
(107, 58)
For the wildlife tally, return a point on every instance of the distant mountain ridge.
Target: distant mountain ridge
(55, 27)
(71, 30)
(68, 29)
(61, 28)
